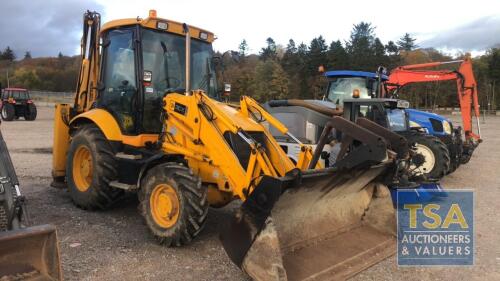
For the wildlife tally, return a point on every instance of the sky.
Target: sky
(47, 27)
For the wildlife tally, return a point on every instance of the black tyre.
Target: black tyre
(30, 112)
(454, 143)
(8, 112)
(173, 203)
(90, 168)
(432, 158)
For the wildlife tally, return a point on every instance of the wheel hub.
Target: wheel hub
(82, 168)
(165, 205)
(424, 160)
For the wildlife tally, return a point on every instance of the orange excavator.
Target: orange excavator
(466, 92)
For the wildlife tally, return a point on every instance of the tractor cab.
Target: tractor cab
(389, 113)
(346, 84)
(16, 95)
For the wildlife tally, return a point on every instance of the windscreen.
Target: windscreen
(397, 119)
(164, 59)
(343, 88)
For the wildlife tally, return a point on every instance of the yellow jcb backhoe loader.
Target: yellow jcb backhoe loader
(136, 125)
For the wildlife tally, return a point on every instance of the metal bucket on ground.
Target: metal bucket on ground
(30, 254)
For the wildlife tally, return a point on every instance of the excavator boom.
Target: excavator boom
(467, 93)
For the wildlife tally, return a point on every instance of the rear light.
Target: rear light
(29, 101)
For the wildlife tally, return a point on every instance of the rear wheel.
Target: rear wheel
(90, 169)
(173, 203)
(8, 112)
(30, 112)
(432, 158)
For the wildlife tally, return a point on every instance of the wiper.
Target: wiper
(165, 62)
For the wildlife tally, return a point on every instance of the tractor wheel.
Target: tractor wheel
(8, 112)
(30, 112)
(90, 168)
(173, 203)
(433, 158)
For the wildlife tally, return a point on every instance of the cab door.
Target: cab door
(119, 94)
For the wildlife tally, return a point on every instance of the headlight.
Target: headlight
(414, 124)
(447, 127)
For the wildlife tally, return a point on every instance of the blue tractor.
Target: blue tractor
(355, 94)
(344, 84)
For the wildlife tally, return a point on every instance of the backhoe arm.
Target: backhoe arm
(466, 87)
(86, 89)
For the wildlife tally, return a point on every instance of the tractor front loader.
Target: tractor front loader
(26, 253)
(137, 126)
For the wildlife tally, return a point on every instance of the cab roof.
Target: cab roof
(15, 89)
(152, 21)
(350, 73)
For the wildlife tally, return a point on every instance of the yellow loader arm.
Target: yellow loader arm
(306, 152)
(201, 134)
(230, 148)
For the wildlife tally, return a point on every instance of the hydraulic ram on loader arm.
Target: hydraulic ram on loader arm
(25, 252)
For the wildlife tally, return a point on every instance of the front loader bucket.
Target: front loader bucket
(30, 254)
(331, 227)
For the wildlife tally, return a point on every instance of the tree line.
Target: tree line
(291, 71)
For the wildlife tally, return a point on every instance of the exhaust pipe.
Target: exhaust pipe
(188, 59)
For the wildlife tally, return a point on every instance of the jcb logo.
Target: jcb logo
(433, 219)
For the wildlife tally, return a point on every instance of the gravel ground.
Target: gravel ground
(116, 245)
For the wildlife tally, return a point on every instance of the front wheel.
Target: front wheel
(8, 112)
(431, 157)
(173, 203)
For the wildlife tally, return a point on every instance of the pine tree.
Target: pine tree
(291, 62)
(392, 48)
(243, 48)
(60, 55)
(337, 56)
(8, 54)
(27, 55)
(269, 52)
(360, 46)
(379, 56)
(494, 64)
(317, 55)
(293, 65)
(407, 43)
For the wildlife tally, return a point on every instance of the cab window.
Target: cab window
(344, 87)
(120, 89)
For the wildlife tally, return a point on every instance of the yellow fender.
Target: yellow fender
(104, 120)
